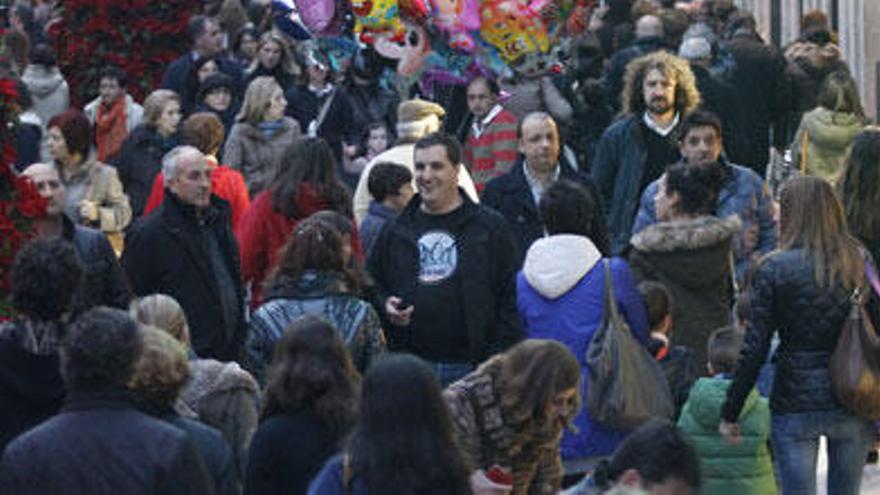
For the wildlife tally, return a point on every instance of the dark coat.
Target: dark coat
(100, 444)
(164, 254)
(487, 254)
(759, 78)
(215, 451)
(139, 161)
(31, 389)
(104, 282)
(305, 106)
(368, 104)
(278, 465)
(29, 135)
(618, 168)
(511, 196)
(692, 258)
(785, 298)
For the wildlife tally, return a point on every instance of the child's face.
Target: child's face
(377, 142)
(349, 150)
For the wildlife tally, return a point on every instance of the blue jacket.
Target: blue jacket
(377, 216)
(744, 194)
(560, 296)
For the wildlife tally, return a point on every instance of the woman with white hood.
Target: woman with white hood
(560, 296)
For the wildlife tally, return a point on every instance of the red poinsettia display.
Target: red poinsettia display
(20, 204)
(140, 36)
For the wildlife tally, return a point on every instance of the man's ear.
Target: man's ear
(630, 478)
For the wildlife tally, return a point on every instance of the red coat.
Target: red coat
(226, 183)
(263, 232)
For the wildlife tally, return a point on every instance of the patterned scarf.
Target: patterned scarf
(110, 128)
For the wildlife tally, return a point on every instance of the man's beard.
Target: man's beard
(659, 106)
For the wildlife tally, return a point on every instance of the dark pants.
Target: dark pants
(796, 446)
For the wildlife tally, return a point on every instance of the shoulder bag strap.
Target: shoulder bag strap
(324, 109)
(804, 143)
(610, 299)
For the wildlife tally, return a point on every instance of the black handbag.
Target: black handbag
(627, 386)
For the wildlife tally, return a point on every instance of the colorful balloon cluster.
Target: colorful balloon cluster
(451, 36)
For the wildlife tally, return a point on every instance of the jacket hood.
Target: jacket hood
(41, 80)
(210, 377)
(688, 234)
(555, 264)
(833, 130)
(708, 395)
(694, 251)
(311, 284)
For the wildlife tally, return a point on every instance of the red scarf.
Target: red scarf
(110, 128)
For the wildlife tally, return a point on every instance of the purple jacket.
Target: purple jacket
(560, 294)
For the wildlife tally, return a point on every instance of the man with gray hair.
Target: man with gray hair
(186, 249)
(415, 119)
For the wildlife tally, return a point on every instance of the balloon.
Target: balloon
(374, 17)
(411, 53)
(288, 20)
(416, 10)
(458, 18)
(316, 15)
(513, 29)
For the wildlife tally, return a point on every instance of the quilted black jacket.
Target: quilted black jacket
(785, 297)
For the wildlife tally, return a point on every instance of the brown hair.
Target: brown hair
(858, 186)
(812, 218)
(686, 95)
(311, 369)
(533, 372)
(204, 130)
(315, 244)
(162, 369)
(257, 98)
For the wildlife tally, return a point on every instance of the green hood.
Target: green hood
(833, 131)
(708, 395)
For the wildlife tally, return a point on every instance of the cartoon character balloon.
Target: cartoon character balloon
(458, 18)
(375, 17)
(410, 53)
(513, 28)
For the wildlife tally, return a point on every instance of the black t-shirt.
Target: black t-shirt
(439, 332)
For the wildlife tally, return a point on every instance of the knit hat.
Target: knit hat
(215, 81)
(417, 110)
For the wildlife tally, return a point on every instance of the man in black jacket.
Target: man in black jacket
(516, 194)
(186, 249)
(98, 443)
(445, 269)
(104, 281)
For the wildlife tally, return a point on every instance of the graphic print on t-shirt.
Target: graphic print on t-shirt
(438, 256)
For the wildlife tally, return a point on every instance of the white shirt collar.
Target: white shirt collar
(536, 188)
(479, 127)
(654, 126)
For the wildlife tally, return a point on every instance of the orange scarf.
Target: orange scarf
(110, 128)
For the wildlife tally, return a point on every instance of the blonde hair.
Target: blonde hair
(257, 99)
(155, 103)
(162, 369)
(163, 312)
(287, 63)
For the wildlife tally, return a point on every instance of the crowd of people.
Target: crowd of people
(283, 272)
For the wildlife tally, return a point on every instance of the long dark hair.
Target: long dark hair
(311, 161)
(315, 244)
(812, 218)
(403, 442)
(858, 186)
(312, 370)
